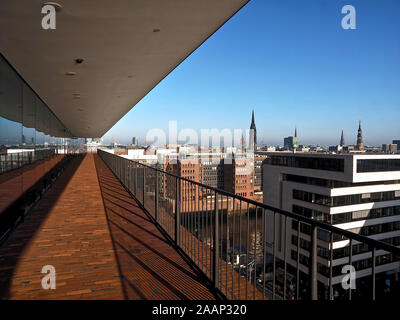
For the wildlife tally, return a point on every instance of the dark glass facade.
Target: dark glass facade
(326, 183)
(314, 214)
(30, 136)
(378, 165)
(315, 163)
(362, 248)
(372, 230)
(365, 215)
(347, 216)
(345, 200)
(366, 263)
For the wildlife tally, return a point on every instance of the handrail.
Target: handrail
(312, 222)
(204, 230)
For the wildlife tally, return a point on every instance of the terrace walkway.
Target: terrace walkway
(102, 245)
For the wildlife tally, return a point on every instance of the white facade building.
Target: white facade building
(359, 193)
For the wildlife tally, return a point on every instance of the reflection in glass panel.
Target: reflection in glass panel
(10, 135)
(30, 134)
(28, 118)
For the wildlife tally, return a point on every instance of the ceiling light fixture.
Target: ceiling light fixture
(156, 30)
(70, 73)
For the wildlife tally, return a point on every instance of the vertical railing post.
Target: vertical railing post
(313, 267)
(129, 176)
(331, 267)
(373, 270)
(144, 184)
(215, 243)
(125, 173)
(177, 212)
(136, 180)
(156, 198)
(350, 261)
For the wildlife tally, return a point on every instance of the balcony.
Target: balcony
(114, 228)
(235, 241)
(102, 244)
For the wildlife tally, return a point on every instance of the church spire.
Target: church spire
(253, 133)
(253, 122)
(342, 140)
(360, 144)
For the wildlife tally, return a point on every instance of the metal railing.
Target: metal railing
(11, 161)
(250, 250)
(14, 160)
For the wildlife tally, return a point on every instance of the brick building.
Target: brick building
(239, 177)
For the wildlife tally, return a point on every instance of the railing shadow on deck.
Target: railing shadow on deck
(148, 263)
(179, 205)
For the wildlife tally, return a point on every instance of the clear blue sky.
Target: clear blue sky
(293, 63)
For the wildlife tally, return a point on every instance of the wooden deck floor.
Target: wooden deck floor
(102, 245)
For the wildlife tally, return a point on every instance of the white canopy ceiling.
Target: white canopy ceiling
(128, 47)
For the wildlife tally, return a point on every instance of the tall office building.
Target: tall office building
(398, 144)
(360, 143)
(291, 143)
(134, 141)
(253, 134)
(358, 193)
(389, 148)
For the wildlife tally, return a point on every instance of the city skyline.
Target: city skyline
(342, 140)
(333, 79)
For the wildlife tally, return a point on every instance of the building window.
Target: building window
(344, 200)
(378, 165)
(327, 164)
